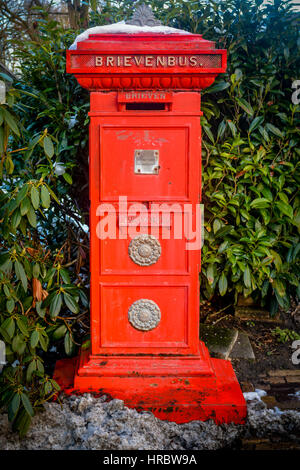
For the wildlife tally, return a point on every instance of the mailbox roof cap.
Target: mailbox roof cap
(130, 57)
(145, 43)
(122, 28)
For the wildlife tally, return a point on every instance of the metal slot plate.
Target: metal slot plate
(146, 162)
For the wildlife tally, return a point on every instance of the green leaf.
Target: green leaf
(6, 291)
(278, 286)
(40, 366)
(22, 423)
(25, 206)
(55, 305)
(4, 261)
(71, 303)
(34, 339)
(60, 332)
(286, 209)
(6, 77)
(41, 311)
(210, 274)
(247, 277)
(9, 165)
(53, 194)
(221, 129)
(10, 305)
(65, 276)
(55, 385)
(16, 219)
(277, 260)
(6, 267)
(84, 299)
(9, 326)
(284, 198)
(264, 133)
(45, 197)
(218, 87)
(94, 4)
(217, 225)
(69, 344)
(30, 369)
(208, 133)
(48, 147)
(86, 344)
(255, 123)
(245, 106)
(35, 197)
(232, 127)
(36, 270)
(44, 341)
(14, 407)
(223, 284)
(68, 178)
(22, 323)
(48, 388)
(274, 130)
(50, 274)
(225, 230)
(260, 203)
(31, 216)
(18, 344)
(11, 122)
(27, 405)
(268, 194)
(21, 275)
(21, 194)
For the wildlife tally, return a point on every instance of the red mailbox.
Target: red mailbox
(145, 173)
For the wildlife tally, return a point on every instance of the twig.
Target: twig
(222, 318)
(219, 311)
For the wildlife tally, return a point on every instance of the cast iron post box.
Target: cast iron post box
(145, 176)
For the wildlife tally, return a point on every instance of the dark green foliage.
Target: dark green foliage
(250, 177)
(42, 301)
(251, 158)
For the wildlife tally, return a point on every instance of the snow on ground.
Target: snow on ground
(295, 395)
(87, 423)
(256, 395)
(122, 27)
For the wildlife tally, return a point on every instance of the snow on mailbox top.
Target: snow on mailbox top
(143, 55)
(124, 28)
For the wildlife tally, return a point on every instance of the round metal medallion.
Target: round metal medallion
(144, 250)
(144, 314)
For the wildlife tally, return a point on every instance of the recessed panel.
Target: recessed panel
(146, 251)
(126, 308)
(144, 163)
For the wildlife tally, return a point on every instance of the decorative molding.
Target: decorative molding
(143, 16)
(144, 315)
(144, 250)
(166, 82)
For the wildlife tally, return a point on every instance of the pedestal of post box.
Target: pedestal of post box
(145, 173)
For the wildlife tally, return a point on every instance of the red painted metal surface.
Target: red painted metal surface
(117, 281)
(166, 369)
(146, 61)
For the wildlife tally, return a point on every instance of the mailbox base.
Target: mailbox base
(180, 389)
